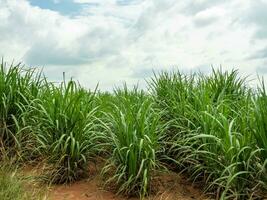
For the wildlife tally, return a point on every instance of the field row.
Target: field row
(212, 128)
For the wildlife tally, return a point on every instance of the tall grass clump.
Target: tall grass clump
(134, 130)
(260, 129)
(173, 91)
(261, 121)
(66, 128)
(18, 87)
(228, 116)
(211, 138)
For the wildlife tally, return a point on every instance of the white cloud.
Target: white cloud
(113, 41)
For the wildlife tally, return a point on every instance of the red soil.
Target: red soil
(170, 187)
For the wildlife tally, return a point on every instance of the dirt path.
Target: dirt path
(172, 187)
(168, 185)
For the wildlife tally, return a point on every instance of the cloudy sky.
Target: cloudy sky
(112, 41)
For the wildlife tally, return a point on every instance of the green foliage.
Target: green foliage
(210, 137)
(134, 131)
(211, 126)
(13, 187)
(18, 86)
(66, 128)
(261, 121)
(259, 128)
(10, 187)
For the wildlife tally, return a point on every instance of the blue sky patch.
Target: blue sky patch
(65, 7)
(127, 2)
